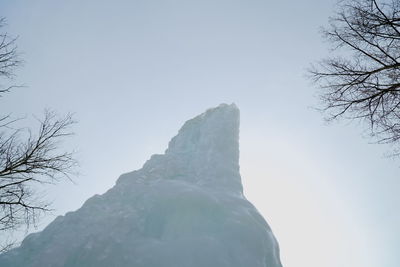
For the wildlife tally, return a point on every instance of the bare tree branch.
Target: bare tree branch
(24, 163)
(9, 58)
(364, 81)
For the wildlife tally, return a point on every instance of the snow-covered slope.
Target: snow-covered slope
(184, 208)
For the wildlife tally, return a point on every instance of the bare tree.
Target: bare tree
(27, 159)
(25, 162)
(9, 59)
(363, 82)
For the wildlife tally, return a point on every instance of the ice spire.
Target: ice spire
(205, 151)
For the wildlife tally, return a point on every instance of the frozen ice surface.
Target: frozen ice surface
(184, 208)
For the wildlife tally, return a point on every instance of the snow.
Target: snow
(183, 208)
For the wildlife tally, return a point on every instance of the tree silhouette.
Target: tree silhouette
(28, 157)
(363, 82)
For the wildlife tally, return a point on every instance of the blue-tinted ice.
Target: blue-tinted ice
(184, 208)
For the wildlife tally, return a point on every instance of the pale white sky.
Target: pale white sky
(134, 71)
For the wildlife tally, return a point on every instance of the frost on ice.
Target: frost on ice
(184, 208)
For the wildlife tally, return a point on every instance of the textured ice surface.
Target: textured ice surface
(184, 208)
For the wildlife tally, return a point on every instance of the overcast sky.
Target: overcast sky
(134, 71)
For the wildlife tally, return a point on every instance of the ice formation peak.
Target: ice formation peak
(205, 151)
(183, 208)
(215, 130)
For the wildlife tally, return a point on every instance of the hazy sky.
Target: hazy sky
(134, 71)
